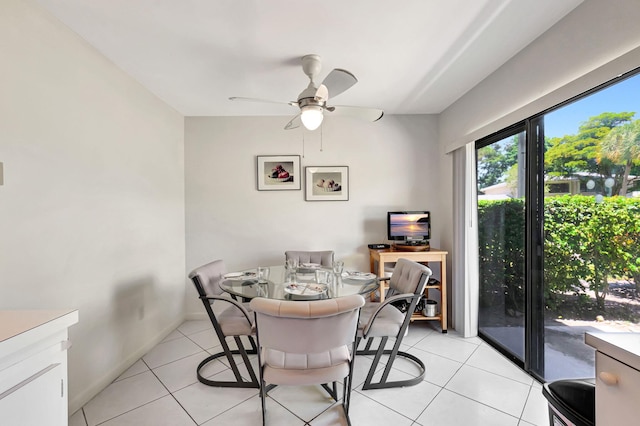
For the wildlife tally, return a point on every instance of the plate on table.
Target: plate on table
(239, 275)
(305, 291)
(354, 275)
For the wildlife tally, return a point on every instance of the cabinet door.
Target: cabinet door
(617, 392)
(37, 400)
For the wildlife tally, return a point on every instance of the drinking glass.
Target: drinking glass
(338, 266)
(322, 276)
(263, 274)
(291, 276)
(262, 291)
(291, 264)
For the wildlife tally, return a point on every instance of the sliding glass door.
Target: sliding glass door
(559, 230)
(501, 220)
(591, 224)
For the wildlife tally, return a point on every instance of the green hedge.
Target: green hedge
(584, 240)
(501, 250)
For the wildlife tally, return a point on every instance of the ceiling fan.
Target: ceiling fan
(312, 101)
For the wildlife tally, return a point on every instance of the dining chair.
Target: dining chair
(391, 318)
(324, 258)
(234, 320)
(307, 343)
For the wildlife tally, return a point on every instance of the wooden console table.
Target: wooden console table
(391, 255)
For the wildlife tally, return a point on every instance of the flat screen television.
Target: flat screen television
(409, 226)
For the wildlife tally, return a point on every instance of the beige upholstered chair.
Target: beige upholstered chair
(384, 320)
(324, 258)
(234, 321)
(307, 342)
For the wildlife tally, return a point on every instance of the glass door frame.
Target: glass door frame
(534, 250)
(521, 127)
(534, 337)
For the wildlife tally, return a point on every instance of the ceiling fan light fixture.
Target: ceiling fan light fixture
(311, 116)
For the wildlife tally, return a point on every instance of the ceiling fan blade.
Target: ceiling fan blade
(338, 81)
(322, 94)
(294, 123)
(369, 114)
(240, 98)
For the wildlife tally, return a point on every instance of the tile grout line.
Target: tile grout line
(171, 393)
(482, 403)
(380, 403)
(525, 403)
(135, 408)
(392, 409)
(295, 415)
(430, 402)
(466, 397)
(490, 372)
(443, 386)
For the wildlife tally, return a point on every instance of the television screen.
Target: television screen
(409, 226)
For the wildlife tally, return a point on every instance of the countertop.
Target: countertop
(18, 323)
(625, 347)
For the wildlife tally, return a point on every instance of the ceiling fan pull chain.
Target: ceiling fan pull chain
(302, 143)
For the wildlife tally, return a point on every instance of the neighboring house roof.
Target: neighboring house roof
(498, 189)
(493, 197)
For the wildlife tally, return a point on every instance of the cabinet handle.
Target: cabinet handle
(27, 380)
(608, 379)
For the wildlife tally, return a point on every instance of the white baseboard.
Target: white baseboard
(83, 397)
(196, 316)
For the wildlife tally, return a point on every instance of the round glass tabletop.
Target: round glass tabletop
(299, 286)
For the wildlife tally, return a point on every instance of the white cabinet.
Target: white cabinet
(617, 377)
(33, 367)
(37, 401)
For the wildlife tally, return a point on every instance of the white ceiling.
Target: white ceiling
(410, 56)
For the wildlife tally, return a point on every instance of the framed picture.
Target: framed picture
(278, 172)
(327, 183)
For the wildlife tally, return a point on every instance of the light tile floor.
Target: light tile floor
(467, 383)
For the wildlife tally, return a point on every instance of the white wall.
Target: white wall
(393, 164)
(92, 206)
(591, 45)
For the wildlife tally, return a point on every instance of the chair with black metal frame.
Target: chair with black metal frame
(234, 321)
(307, 343)
(391, 318)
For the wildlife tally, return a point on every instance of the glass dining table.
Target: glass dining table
(302, 285)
